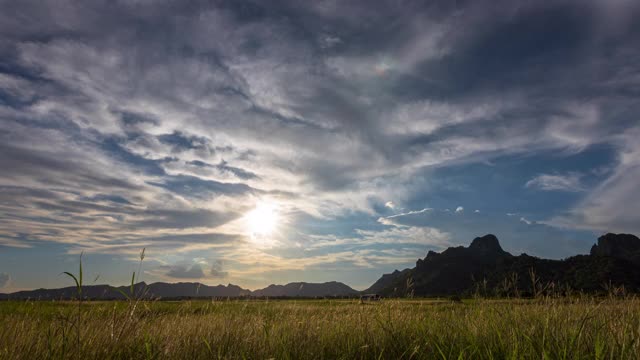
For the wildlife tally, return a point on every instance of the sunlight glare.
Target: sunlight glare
(263, 220)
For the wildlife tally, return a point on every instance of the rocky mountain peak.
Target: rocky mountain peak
(623, 246)
(486, 244)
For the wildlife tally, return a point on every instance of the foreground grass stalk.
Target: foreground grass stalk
(78, 321)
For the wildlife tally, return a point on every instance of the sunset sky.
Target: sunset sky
(267, 142)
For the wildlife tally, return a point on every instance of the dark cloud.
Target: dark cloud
(182, 219)
(532, 46)
(199, 163)
(217, 269)
(131, 119)
(184, 272)
(180, 141)
(140, 163)
(193, 186)
(110, 198)
(240, 173)
(203, 238)
(55, 170)
(224, 167)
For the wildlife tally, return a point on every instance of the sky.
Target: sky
(260, 142)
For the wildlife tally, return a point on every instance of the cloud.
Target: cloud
(184, 272)
(524, 220)
(613, 205)
(240, 173)
(181, 142)
(217, 269)
(394, 232)
(459, 209)
(182, 218)
(5, 279)
(412, 212)
(196, 187)
(548, 182)
(390, 205)
(399, 234)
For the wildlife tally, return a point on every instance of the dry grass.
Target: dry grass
(584, 328)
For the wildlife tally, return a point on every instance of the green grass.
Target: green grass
(585, 328)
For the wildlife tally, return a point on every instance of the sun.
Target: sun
(263, 220)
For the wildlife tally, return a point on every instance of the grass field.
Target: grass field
(323, 329)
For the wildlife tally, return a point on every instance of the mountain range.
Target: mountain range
(482, 267)
(301, 289)
(162, 290)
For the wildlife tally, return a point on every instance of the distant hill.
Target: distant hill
(302, 289)
(187, 290)
(485, 267)
(177, 290)
(155, 290)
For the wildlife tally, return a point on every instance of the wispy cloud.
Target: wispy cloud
(555, 182)
(526, 221)
(412, 212)
(613, 206)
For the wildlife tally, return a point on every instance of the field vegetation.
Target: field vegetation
(553, 328)
(550, 325)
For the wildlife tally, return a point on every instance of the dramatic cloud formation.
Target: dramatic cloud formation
(136, 124)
